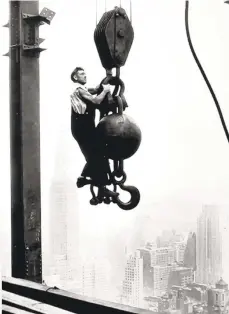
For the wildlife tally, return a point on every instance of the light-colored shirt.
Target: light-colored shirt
(78, 105)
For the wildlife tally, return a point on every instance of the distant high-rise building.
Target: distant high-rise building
(133, 281)
(160, 279)
(117, 252)
(93, 278)
(145, 254)
(143, 232)
(151, 245)
(209, 253)
(181, 276)
(153, 256)
(190, 251)
(179, 251)
(169, 237)
(163, 256)
(62, 234)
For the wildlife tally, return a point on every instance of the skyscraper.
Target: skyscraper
(209, 255)
(190, 251)
(168, 237)
(161, 279)
(180, 250)
(180, 276)
(63, 225)
(157, 264)
(143, 232)
(63, 233)
(148, 284)
(133, 282)
(163, 256)
(93, 278)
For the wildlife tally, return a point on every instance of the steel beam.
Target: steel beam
(25, 148)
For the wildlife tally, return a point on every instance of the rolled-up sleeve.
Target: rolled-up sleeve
(77, 104)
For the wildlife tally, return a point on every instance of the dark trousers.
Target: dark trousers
(84, 132)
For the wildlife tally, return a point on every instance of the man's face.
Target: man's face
(81, 77)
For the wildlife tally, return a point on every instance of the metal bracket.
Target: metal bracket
(48, 14)
(33, 19)
(31, 40)
(11, 47)
(45, 16)
(6, 25)
(32, 50)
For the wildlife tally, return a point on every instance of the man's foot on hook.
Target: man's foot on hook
(107, 193)
(106, 200)
(82, 181)
(94, 201)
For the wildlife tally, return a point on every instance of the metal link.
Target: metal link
(121, 181)
(118, 168)
(117, 72)
(120, 105)
(116, 103)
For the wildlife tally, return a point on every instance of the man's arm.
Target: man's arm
(94, 91)
(89, 99)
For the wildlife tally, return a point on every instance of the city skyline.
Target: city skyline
(178, 272)
(168, 254)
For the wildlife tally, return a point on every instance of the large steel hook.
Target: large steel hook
(134, 197)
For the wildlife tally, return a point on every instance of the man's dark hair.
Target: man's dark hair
(74, 73)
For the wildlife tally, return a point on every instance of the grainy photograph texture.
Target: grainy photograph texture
(114, 156)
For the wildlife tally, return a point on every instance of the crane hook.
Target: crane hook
(134, 199)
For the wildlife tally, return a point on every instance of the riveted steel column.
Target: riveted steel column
(25, 148)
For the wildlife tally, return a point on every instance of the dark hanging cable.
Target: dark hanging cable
(203, 73)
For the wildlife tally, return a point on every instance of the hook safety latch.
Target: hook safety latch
(134, 197)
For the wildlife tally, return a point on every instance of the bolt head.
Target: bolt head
(121, 33)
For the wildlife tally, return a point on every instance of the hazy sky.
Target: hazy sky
(182, 162)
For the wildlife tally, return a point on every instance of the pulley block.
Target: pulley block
(113, 37)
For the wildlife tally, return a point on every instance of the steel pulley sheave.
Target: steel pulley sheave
(113, 38)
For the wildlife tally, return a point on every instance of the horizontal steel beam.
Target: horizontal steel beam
(6, 309)
(63, 299)
(26, 304)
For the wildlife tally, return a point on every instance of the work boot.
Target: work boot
(108, 193)
(82, 181)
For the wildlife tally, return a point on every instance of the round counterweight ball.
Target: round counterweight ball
(120, 134)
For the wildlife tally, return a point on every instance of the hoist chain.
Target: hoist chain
(113, 37)
(119, 104)
(111, 103)
(116, 103)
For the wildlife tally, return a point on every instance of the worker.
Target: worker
(84, 102)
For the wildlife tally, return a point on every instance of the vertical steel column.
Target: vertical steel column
(25, 149)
